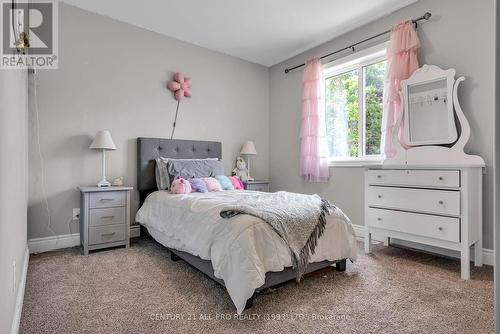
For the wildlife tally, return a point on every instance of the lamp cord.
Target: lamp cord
(40, 156)
(13, 24)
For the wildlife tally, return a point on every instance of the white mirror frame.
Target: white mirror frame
(436, 156)
(424, 75)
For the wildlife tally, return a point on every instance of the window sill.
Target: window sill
(355, 163)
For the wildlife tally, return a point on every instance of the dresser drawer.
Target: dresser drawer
(107, 233)
(107, 199)
(442, 202)
(107, 216)
(437, 227)
(415, 178)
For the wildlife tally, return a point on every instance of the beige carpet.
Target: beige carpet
(139, 290)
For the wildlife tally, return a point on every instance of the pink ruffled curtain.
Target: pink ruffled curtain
(401, 63)
(313, 145)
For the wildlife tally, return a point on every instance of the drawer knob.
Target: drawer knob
(108, 234)
(379, 176)
(379, 196)
(440, 178)
(379, 219)
(441, 202)
(440, 228)
(107, 217)
(105, 199)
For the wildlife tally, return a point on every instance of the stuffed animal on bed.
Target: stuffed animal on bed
(241, 170)
(180, 186)
(198, 185)
(237, 183)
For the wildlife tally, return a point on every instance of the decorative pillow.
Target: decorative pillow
(166, 169)
(180, 186)
(212, 184)
(195, 168)
(161, 174)
(198, 185)
(225, 183)
(236, 182)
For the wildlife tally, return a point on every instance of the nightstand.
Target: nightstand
(104, 217)
(257, 185)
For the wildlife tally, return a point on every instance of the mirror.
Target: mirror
(428, 106)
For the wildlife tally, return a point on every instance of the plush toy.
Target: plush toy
(118, 181)
(237, 184)
(241, 170)
(180, 186)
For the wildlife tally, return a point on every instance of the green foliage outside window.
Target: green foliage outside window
(343, 114)
(374, 90)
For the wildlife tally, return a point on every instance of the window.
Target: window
(354, 88)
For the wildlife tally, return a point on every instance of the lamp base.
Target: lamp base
(104, 183)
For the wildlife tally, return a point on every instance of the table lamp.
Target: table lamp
(103, 142)
(248, 149)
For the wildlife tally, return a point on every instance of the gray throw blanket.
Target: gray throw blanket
(297, 218)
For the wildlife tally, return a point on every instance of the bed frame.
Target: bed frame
(149, 149)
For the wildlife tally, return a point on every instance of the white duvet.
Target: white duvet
(242, 249)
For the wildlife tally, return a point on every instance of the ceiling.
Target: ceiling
(265, 32)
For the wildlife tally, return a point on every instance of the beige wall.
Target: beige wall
(496, 202)
(112, 76)
(13, 190)
(460, 35)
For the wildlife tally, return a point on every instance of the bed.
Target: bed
(244, 254)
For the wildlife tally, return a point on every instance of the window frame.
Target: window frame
(357, 60)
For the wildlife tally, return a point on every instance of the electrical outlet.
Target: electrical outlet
(76, 213)
(14, 276)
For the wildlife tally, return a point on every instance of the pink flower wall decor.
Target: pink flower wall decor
(181, 87)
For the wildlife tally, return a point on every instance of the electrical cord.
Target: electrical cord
(40, 156)
(12, 19)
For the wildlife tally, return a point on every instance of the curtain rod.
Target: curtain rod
(426, 16)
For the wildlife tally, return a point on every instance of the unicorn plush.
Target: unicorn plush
(180, 186)
(241, 170)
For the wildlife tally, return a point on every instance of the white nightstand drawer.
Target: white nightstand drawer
(107, 216)
(107, 233)
(258, 187)
(443, 202)
(107, 199)
(415, 178)
(438, 227)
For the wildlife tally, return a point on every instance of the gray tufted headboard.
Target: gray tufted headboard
(148, 149)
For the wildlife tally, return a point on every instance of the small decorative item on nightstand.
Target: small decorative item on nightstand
(257, 185)
(104, 217)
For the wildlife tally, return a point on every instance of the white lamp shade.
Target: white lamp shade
(248, 148)
(103, 141)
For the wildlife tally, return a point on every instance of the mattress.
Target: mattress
(243, 248)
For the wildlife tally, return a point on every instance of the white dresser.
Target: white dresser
(432, 206)
(428, 190)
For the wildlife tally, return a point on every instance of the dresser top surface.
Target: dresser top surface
(256, 182)
(101, 189)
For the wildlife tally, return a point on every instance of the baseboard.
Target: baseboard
(40, 245)
(14, 329)
(488, 254)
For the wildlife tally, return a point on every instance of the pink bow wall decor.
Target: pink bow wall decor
(181, 87)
